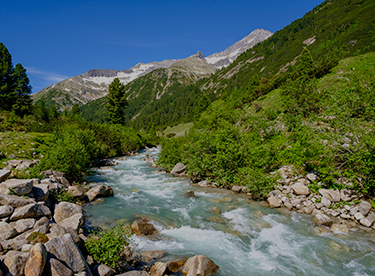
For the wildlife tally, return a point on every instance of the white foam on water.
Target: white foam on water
(183, 212)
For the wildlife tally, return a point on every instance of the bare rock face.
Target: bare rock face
(4, 174)
(199, 265)
(16, 186)
(322, 220)
(152, 255)
(6, 231)
(215, 209)
(5, 211)
(274, 202)
(29, 211)
(15, 262)
(99, 191)
(178, 169)
(76, 192)
(74, 222)
(65, 210)
(364, 207)
(369, 220)
(40, 192)
(332, 195)
(158, 269)
(337, 227)
(23, 225)
(36, 260)
(236, 189)
(300, 189)
(143, 228)
(14, 201)
(104, 270)
(57, 268)
(65, 250)
(56, 231)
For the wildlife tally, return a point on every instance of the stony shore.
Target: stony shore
(39, 236)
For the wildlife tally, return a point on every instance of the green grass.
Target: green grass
(179, 130)
(23, 145)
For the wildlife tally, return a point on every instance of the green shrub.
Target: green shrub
(110, 247)
(60, 196)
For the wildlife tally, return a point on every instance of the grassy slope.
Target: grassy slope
(333, 23)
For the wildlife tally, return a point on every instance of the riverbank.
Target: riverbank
(246, 236)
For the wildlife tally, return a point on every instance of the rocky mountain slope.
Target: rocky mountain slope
(94, 83)
(230, 54)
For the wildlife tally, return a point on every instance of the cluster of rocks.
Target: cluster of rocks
(38, 236)
(327, 206)
(196, 265)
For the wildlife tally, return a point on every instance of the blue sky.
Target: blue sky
(55, 40)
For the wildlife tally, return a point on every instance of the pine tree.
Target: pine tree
(76, 111)
(116, 103)
(20, 96)
(53, 113)
(42, 111)
(6, 80)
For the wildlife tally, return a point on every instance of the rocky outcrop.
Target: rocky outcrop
(99, 191)
(16, 187)
(36, 260)
(143, 228)
(294, 194)
(65, 210)
(178, 169)
(199, 265)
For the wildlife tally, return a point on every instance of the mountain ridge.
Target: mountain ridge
(94, 83)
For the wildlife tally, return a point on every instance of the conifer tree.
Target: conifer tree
(116, 103)
(6, 80)
(20, 96)
(76, 111)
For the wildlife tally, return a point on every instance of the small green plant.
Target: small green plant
(372, 203)
(59, 196)
(12, 192)
(37, 237)
(110, 247)
(318, 200)
(356, 201)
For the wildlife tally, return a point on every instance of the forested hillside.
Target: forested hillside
(331, 31)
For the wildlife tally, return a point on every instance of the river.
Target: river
(239, 240)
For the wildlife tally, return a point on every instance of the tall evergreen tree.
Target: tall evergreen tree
(76, 111)
(6, 79)
(42, 111)
(20, 96)
(116, 102)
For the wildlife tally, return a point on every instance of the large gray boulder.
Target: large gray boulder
(4, 174)
(300, 189)
(15, 262)
(158, 269)
(331, 194)
(99, 191)
(143, 228)
(76, 192)
(65, 210)
(104, 270)
(32, 210)
(54, 267)
(36, 260)
(23, 225)
(364, 207)
(199, 265)
(16, 187)
(369, 220)
(14, 201)
(74, 222)
(25, 164)
(40, 192)
(322, 220)
(6, 231)
(64, 249)
(178, 169)
(274, 202)
(5, 211)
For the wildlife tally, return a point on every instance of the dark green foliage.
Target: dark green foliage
(75, 111)
(14, 85)
(62, 196)
(116, 103)
(41, 111)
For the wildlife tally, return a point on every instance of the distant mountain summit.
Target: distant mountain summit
(230, 54)
(94, 83)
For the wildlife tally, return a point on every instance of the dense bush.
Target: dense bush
(110, 247)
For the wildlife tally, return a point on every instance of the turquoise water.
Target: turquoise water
(238, 240)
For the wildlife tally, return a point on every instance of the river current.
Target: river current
(239, 240)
